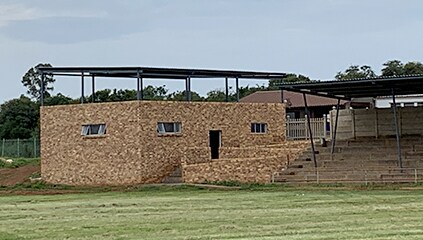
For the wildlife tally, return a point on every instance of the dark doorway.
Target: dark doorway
(215, 137)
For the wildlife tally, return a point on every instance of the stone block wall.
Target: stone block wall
(252, 170)
(132, 152)
(377, 122)
(249, 164)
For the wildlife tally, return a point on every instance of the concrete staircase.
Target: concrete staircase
(175, 176)
(364, 160)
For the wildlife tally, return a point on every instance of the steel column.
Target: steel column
(394, 106)
(188, 89)
(93, 88)
(42, 89)
(82, 88)
(139, 86)
(237, 88)
(310, 131)
(281, 94)
(332, 150)
(226, 90)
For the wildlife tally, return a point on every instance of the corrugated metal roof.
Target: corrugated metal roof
(293, 99)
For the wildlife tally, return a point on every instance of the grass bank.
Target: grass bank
(185, 212)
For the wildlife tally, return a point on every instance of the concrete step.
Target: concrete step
(175, 176)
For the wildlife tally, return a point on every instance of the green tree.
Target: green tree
(393, 68)
(155, 93)
(180, 96)
(58, 99)
(356, 71)
(247, 90)
(397, 68)
(19, 118)
(290, 78)
(412, 68)
(216, 95)
(32, 81)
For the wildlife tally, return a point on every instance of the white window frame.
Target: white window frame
(256, 128)
(87, 129)
(161, 129)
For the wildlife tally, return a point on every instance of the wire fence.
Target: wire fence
(25, 148)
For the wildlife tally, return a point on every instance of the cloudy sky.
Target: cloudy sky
(316, 38)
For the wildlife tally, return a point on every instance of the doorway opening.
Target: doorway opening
(215, 141)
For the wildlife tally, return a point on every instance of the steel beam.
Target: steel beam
(226, 90)
(82, 88)
(93, 88)
(394, 106)
(237, 88)
(188, 89)
(332, 150)
(42, 88)
(139, 86)
(310, 131)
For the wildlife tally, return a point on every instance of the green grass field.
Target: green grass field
(189, 213)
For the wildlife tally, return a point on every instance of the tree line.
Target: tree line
(19, 117)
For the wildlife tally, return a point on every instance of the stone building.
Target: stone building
(123, 143)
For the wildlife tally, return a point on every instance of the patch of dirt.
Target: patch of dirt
(13, 176)
(39, 192)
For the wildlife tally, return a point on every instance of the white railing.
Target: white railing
(363, 176)
(297, 129)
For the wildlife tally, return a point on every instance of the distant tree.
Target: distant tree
(290, 78)
(155, 93)
(181, 95)
(356, 71)
(393, 68)
(32, 81)
(216, 95)
(19, 118)
(58, 99)
(122, 95)
(397, 68)
(247, 90)
(411, 68)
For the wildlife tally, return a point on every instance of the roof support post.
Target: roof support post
(43, 76)
(237, 88)
(310, 132)
(188, 89)
(332, 150)
(281, 88)
(139, 86)
(394, 106)
(82, 87)
(226, 90)
(93, 88)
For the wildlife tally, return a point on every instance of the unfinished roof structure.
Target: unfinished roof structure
(359, 88)
(293, 99)
(141, 73)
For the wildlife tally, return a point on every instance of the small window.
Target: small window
(258, 127)
(93, 129)
(169, 127)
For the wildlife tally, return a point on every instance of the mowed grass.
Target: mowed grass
(188, 213)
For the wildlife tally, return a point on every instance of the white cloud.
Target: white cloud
(16, 12)
(19, 12)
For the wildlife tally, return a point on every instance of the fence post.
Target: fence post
(305, 127)
(2, 148)
(325, 120)
(415, 175)
(288, 135)
(35, 147)
(18, 148)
